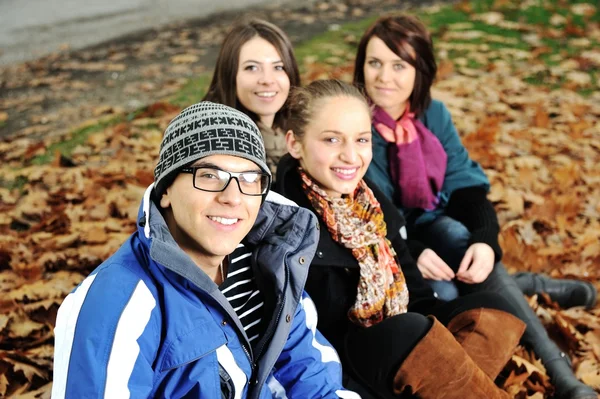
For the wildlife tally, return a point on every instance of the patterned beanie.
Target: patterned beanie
(207, 129)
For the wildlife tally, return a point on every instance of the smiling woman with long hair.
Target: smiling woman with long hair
(254, 72)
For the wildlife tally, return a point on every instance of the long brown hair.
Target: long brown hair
(401, 33)
(223, 89)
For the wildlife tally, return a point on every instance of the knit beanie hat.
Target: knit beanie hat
(207, 129)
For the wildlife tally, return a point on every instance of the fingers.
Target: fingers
(465, 262)
(433, 267)
(471, 275)
(444, 271)
(482, 262)
(427, 272)
(482, 271)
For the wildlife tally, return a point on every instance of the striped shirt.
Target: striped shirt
(243, 294)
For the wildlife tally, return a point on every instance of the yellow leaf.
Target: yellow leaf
(585, 9)
(581, 79)
(3, 322)
(56, 286)
(184, 59)
(3, 385)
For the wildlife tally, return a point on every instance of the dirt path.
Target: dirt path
(56, 93)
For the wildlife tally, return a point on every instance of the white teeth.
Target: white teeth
(345, 171)
(224, 221)
(267, 94)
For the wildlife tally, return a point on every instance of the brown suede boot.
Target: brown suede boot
(489, 336)
(438, 367)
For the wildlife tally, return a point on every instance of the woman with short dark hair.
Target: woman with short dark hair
(420, 163)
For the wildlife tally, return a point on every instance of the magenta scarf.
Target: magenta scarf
(417, 161)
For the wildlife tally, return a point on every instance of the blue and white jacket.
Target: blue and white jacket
(149, 323)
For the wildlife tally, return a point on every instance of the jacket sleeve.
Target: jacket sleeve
(308, 366)
(461, 170)
(104, 340)
(471, 207)
(421, 297)
(415, 248)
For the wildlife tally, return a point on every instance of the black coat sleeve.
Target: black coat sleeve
(415, 247)
(333, 290)
(471, 207)
(421, 297)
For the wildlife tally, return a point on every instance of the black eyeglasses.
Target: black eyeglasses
(216, 180)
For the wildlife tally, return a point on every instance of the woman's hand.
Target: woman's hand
(477, 264)
(432, 267)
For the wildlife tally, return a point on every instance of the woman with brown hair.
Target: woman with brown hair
(393, 336)
(420, 164)
(254, 72)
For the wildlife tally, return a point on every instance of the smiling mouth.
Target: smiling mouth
(266, 94)
(345, 171)
(223, 221)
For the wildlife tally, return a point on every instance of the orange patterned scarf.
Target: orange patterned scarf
(356, 222)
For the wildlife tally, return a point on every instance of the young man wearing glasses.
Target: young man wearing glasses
(206, 299)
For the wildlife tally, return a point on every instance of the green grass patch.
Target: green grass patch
(132, 115)
(77, 137)
(18, 183)
(322, 47)
(193, 91)
(440, 19)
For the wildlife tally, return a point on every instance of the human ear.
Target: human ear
(294, 146)
(165, 200)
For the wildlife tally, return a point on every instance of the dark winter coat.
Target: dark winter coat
(334, 272)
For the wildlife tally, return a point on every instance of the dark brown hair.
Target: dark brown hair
(303, 101)
(223, 89)
(401, 33)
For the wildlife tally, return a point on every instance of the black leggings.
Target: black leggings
(373, 355)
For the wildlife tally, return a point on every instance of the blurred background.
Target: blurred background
(86, 92)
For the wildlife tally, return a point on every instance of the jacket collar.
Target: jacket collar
(280, 221)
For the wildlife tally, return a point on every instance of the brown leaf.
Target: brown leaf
(514, 203)
(568, 331)
(589, 372)
(41, 393)
(144, 177)
(20, 365)
(541, 118)
(445, 69)
(3, 385)
(573, 30)
(21, 326)
(96, 235)
(464, 6)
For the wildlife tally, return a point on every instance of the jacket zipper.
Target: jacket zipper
(271, 331)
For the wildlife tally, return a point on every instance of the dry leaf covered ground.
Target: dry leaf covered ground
(521, 80)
